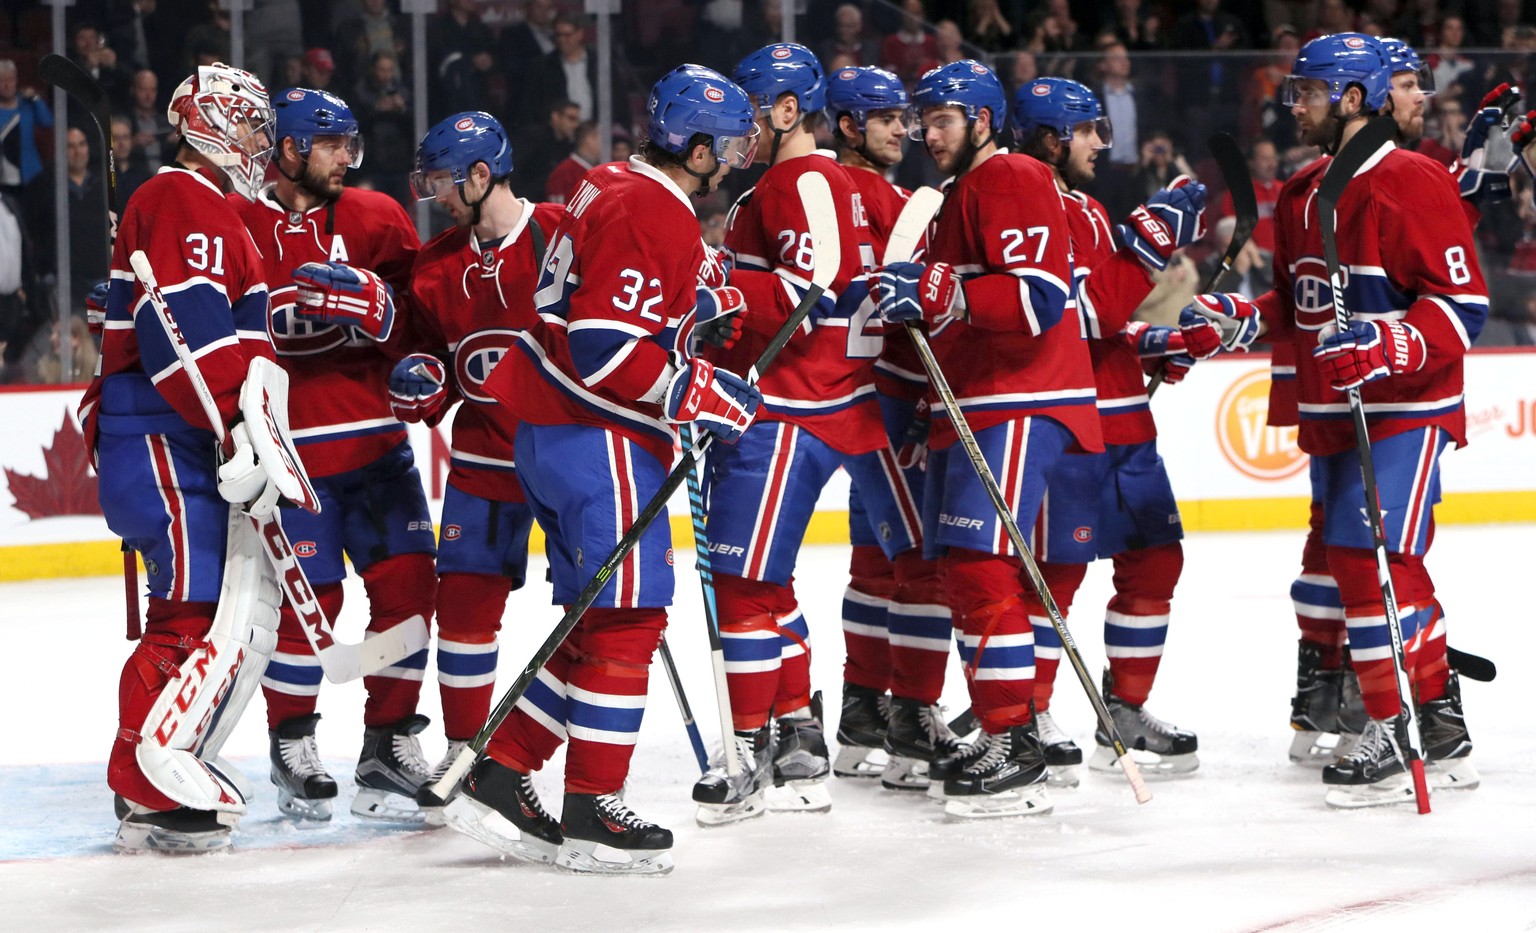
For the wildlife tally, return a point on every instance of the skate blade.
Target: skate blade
(905, 774)
(856, 761)
(709, 815)
(484, 825)
(1062, 776)
(1027, 801)
(1453, 774)
(1310, 750)
(135, 837)
(935, 792)
(595, 858)
(798, 797)
(1152, 764)
(386, 807)
(1396, 789)
(303, 808)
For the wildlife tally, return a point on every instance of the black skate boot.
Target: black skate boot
(498, 806)
(431, 806)
(1007, 780)
(1352, 715)
(1374, 773)
(918, 736)
(965, 755)
(390, 770)
(1447, 744)
(725, 799)
(1315, 707)
(604, 836)
(800, 765)
(181, 831)
(861, 731)
(1062, 756)
(304, 789)
(1166, 749)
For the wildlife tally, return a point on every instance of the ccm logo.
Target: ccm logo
(726, 549)
(305, 548)
(959, 521)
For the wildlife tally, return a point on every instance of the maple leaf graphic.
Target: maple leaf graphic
(68, 487)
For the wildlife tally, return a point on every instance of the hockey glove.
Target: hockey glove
(1478, 184)
(1212, 323)
(1162, 349)
(717, 316)
(1521, 135)
(243, 481)
(718, 401)
(1368, 350)
(913, 451)
(716, 270)
(1171, 219)
(344, 295)
(96, 308)
(911, 291)
(417, 387)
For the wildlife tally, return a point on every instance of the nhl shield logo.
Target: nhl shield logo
(295, 218)
(488, 259)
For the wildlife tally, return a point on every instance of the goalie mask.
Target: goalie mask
(224, 113)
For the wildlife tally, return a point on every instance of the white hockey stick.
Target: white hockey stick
(266, 411)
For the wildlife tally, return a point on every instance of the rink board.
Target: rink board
(1231, 472)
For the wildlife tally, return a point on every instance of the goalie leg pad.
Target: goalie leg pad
(249, 604)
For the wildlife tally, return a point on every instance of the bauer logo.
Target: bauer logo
(305, 548)
(452, 532)
(468, 123)
(1254, 448)
(714, 94)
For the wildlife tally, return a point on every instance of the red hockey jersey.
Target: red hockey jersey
(616, 299)
(338, 400)
(898, 371)
(1407, 249)
(1005, 230)
(824, 378)
(211, 276)
(470, 301)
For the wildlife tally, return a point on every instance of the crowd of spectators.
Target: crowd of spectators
(1169, 73)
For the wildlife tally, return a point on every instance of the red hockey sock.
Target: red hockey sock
(996, 639)
(536, 726)
(1369, 638)
(1063, 581)
(1136, 624)
(291, 683)
(607, 696)
(866, 603)
(794, 690)
(921, 629)
(1315, 597)
(469, 609)
(398, 587)
(749, 634)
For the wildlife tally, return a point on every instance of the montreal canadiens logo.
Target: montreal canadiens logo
(468, 123)
(714, 94)
(979, 69)
(782, 52)
(1082, 534)
(847, 74)
(452, 532)
(669, 557)
(305, 548)
(1040, 90)
(295, 94)
(475, 357)
(1355, 42)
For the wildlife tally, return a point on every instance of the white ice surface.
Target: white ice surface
(1244, 844)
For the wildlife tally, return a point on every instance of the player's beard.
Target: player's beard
(1076, 176)
(319, 183)
(1323, 134)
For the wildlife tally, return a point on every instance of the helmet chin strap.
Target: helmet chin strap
(704, 178)
(474, 206)
(778, 134)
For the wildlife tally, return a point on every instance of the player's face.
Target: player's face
(329, 159)
(1408, 105)
(1311, 109)
(945, 133)
(1081, 157)
(884, 133)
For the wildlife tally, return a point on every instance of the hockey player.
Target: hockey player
(473, 288)
(895, 623)
(995, 291)
(1411, 322)
(597, 385)
(819, 413)
(1118, 504)
(159, 428)
(337, 258)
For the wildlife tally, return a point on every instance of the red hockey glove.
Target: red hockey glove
(1217, 322)
(417, 387)
(718, 401)
(913, 451)
(340, 294)
(1171, 219)
(717, 316)
(1162, 350)
(1368, 350)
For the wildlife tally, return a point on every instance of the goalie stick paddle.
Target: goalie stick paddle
(77, 83)
(1245, 208)
(914, 218)
(1365, 144)
(826, 253)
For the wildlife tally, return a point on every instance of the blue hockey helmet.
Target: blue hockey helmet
(966, 84)
(1338, 61)
(693, 99)
(1062, 105)
(454, 145)
(302, 114)
(1403, 59)
(783, 68)
(859, 92)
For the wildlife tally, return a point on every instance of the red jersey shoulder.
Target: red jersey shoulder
(547, 216)
(1407, 176)
(883, 201)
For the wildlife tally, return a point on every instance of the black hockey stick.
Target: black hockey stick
(1245, 208)
(77, 83)
(821, 217)
(1366, 142)
(1471, 666)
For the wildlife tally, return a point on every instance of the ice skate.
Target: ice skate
(498, 806)
(1062, 756)
(431, 806)
(725, 799)
(390, 770)
(603, 836)
(1315, 708)
(949, 766)
(1447, 744)
(1374, 774)
(1008, 779)
(1352, 715)
(800, 765)
(861, 732)
(181, 831)
(918, 736)
(1160, 749)
(304, 789)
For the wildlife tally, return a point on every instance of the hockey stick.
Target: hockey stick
(77, 83)
(1245, 207)
(1367, 142)
(821, 218)
(1471, 666)
(341, 661)
(1005, 515)
(711, 616)
(694, 739)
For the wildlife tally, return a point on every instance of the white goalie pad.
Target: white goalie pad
(264, 404)
(198, 708)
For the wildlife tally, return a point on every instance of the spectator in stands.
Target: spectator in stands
(272, 29)
(153, 145)
(1131, 106)
(848, 39)
(623, 145)
(208, 41)
(87, 218)
(358, 39)
(910, 51)
(728, 30)
(453, 34)
(22, 114)
(1022, 68)
(288, 72)
(543, 146)
(948, 42)
(319, 68)
(1264, 111)
(382, 104)
(1332, 16)
(1446, 63)
(1444, 130)
(131, 173)
(1137, 29)
(583, 158)
(143, 36)
(531, 39)
(569, 72)
(712, 226)
(1264, 169)
(1072, 38)
(82, 351)
(1160, 164)
(89, 50)
(988, 27)
(18, 292)
(1490, 20)
(1209, 85)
